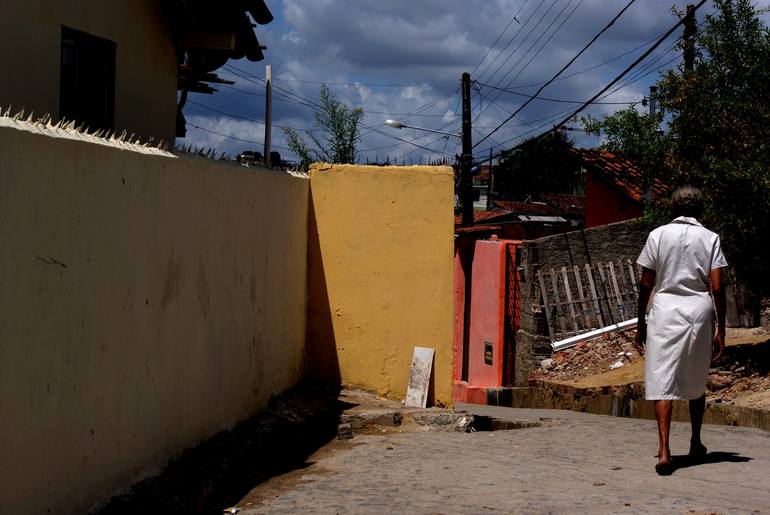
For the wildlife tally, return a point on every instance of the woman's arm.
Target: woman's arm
(646, 284)
(720, 302)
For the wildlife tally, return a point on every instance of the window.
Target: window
(87, 81)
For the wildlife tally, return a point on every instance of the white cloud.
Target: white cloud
(357, 46)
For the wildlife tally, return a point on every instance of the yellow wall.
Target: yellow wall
(145, 61)
(146, 302)
(380, 274)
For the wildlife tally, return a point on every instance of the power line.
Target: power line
(510, 56)
(312, 105)
(538, 39)
(513, 18)
(246, 118)
(204, 129)
(622, 74)
(590, 68)
(522, 106)
(368, 84)
(542, 47)
(546, 99)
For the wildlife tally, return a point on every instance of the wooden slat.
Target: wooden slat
(619, 298)
(567, 289)
(557, 300)
(586, 311)
(604, 295)
(632, 275)
(546, 306)
(594, 297)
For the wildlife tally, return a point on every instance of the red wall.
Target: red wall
(606, 205)
(487, 324)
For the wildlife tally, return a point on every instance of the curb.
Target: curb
(617, 401)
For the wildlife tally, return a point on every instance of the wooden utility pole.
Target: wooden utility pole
(268, 112)
(466, 179)
(690, 30)
(468, 243)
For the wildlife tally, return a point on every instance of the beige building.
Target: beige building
(119, 64)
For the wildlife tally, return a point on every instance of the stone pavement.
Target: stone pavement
(574, 463)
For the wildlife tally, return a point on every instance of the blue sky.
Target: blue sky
(399, 57)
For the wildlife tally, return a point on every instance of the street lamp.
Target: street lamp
(398, 125)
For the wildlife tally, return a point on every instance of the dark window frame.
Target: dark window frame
(87, 79)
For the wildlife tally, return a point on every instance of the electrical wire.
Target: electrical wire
(622, 74)
(204, 129)
(547, 99)
(563, 68)
(513, 18)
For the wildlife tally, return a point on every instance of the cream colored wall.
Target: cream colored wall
(380, 274)
(145, 304)
(145, 61)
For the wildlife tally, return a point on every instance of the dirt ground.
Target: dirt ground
(741, 377)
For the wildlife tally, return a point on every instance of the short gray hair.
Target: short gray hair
(687, 201)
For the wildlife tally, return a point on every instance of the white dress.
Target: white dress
(680, 321)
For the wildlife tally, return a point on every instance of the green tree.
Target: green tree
(338, 125)
(636, 137)
(718, 135)
(720, 126)
(538, 166)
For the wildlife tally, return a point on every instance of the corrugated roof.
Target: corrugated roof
(619, 172)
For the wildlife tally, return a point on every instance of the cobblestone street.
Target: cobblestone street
(574, 463)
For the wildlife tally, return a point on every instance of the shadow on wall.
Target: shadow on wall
(321, 363)
(223, 470)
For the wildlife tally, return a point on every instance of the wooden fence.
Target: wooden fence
(577, 299)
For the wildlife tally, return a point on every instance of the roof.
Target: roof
(206, 33)
(526, 208)
(190, 18)
(619, 172)
(568, 205)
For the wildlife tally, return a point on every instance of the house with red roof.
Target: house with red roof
(616, 188)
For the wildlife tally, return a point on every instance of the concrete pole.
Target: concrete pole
(268, 111)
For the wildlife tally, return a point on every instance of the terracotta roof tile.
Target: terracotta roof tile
(620, 172)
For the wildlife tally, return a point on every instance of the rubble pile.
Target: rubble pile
(741, 377)
(589, 358)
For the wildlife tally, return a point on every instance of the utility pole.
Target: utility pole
(268, 111)
(690, 30)
(466, 180)
(468, 243)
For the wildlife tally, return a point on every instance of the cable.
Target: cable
(312, 105)
(234, 137)
(522, 106)
(510, 56)
(254, 120)
(368, 84)
(538, 39)
(546, 99)
(622, 74)
(513, 18)
(590, 68)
